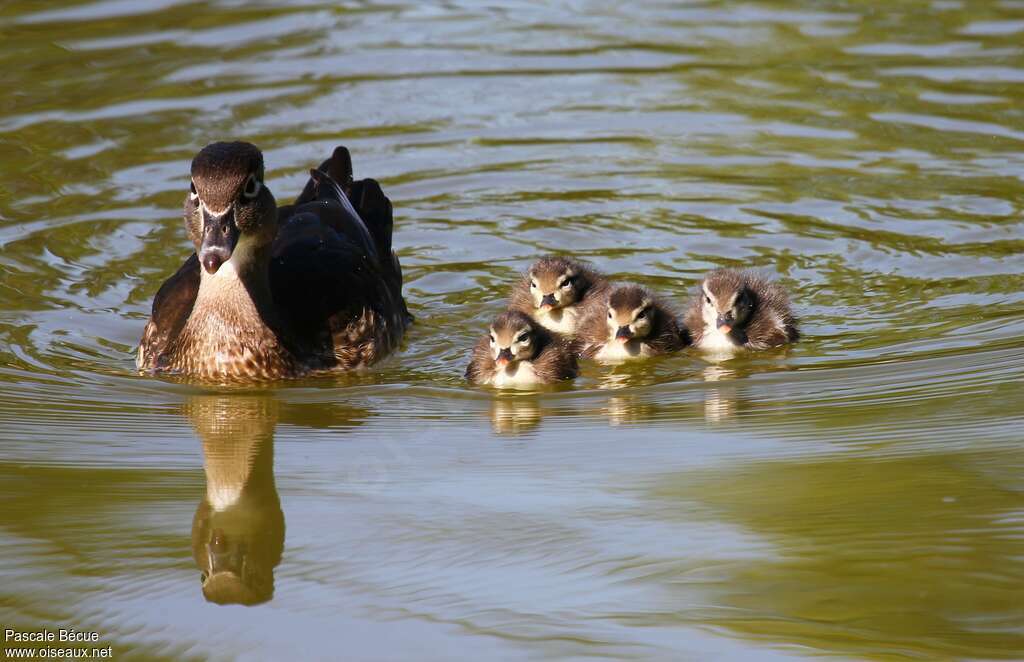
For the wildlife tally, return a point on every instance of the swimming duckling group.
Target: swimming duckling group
(564, 310)
(274, 292)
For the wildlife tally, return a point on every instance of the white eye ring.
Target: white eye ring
(252, 187)
(193, 194)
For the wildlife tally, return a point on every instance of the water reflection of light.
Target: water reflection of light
(513, 415)
(614, 380)
(719, 403)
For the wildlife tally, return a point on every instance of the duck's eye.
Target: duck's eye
(193, 194)
(493, 339)
(609, 314)
(202, 577)
(522, 337)
(641, 315)
(707, 298)
(252, 187)
(567, 283)
(533, 284)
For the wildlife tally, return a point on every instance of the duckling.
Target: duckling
(520, 352)
(559, 292)
(735, 310)
(277, 292)
(633, 323)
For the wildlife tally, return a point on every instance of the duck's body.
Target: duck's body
(519, 353)
(633, 323)
(518, 375)
(559, 293)
(277, 292)
(739, 310)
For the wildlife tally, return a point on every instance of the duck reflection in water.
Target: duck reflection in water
(238, 528)
(719, 401)
(515, 415)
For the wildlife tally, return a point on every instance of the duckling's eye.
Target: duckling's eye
(707, 298)
(641, 315)
(202, 577)
(533, 284)
(493, 339)
(609, 314)
(567, 283)
(523, 335)
(252, 187)
(193, 194)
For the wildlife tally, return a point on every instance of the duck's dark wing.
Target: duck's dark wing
(171, 308)
(593, 308)
(557, 360)
(364, 199)
(773, 324)
(592, 333)
(338, 168)
(339, 298)
(668, 335)
(765, 331)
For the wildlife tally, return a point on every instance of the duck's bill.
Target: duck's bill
(220, 235)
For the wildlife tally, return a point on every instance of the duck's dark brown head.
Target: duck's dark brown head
(514, 337)
(728, 300)
(229, 211)
(556, 282)
(631, 313)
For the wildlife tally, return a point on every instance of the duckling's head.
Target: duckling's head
(728, 301)
(631, 313)
(514, 337)
(556, 282)
(229, 212)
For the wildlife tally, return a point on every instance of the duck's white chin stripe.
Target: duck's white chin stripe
(240, 258)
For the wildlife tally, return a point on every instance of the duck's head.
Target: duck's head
(229, 212)
(727, 300)
(513, 338)
(556, 282)
(631, 313)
